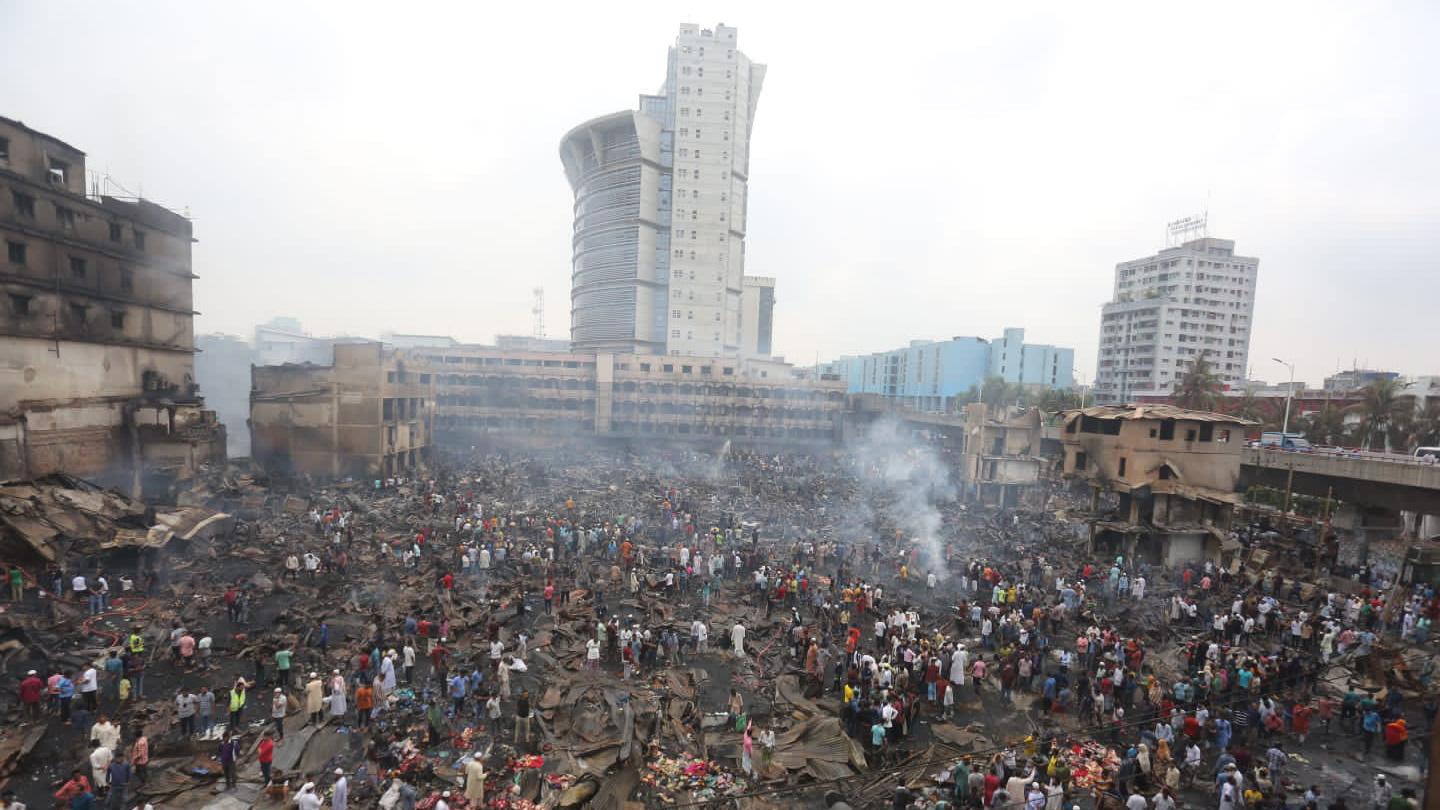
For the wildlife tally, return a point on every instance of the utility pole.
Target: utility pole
(1289, 394)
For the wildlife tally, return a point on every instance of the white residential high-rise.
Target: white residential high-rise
(660, 199)
(1168, 310)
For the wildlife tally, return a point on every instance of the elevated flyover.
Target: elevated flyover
(1397, 483)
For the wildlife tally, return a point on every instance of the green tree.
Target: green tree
(1424, 427)
(1199, 389)
(1325, 426)
(1384, 404)
(1053, 400)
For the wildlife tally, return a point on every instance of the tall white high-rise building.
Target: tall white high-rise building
(660, 199)
(1196, 299)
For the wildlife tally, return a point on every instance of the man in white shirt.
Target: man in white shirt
(737, 639)
(90, 688)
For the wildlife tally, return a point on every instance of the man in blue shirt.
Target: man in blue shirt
(65, 691)
(117, 775)
(457, 692)
(1371, 726)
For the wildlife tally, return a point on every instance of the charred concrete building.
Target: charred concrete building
(366, 415)
(96, 328)
(1163, 478)
(485, 389)
(1001, 462)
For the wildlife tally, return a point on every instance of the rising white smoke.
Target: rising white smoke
(909, 481)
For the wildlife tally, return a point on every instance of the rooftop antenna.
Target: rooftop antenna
(538, 310)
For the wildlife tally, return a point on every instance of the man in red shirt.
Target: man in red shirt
(266, 752)
(437, 658)
(31, 690)
(447, 582)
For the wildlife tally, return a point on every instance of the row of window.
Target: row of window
(65, 219)
(22, 306)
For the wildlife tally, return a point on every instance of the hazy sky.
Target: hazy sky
(917, 172)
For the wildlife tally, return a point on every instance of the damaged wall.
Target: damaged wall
(366, 415)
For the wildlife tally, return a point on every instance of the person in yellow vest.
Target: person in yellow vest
(237, 703)
(136, 642)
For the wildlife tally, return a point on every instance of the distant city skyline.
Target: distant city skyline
(951, 171)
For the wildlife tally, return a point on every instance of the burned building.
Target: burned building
(1163, 479)
(366, 415)
(485, 389)
(1001, 462)
(96, 328)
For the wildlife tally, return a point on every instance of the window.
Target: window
(79, 313)
(114, 232)
(24, 205)
(1122, 468)
(668, 368)
(1223, 437)
(675, 314)
(728, 371)
(64, 218)
(1167, 430)
(1207, 432)
(59, 171)
(139, 239)
(1190, 435)
(686, 369)
(127, 279)
(77, 267)
(1165, 473)
(4, 148)
(644, 366)
(1081, 460)
(117, 320)
(674, 333)
(16, 251)
(20, 304)
(390, 376)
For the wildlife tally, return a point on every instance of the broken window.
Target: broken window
(1081, 460)
(139, 239)
(20, 304)
(24, 204)
(1165, 472)
(114, 232)
(79, 313)
(64, 218)
(117, 320)
(16, 251)
(59, 170)
(77, 267)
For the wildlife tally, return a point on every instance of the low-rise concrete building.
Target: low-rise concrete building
(486, 389)
(97, 368)
(1174, 473)
(366, 415)
(1000, 464)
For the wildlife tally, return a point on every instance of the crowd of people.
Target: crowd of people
(1197, 680)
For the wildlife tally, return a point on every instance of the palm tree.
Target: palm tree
(1384, 404)
(1199, 389)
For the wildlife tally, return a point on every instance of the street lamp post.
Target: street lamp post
(1289, 393)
